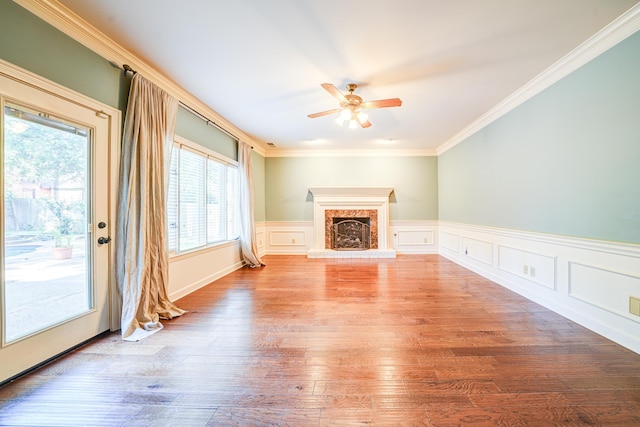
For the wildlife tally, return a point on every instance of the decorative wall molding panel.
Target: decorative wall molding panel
(414, 237)
(612, 291)
(288, 238)
(449, 241)
(478, 250)
(532, 266)
(587, 281)
(260, 238)
(407, 237)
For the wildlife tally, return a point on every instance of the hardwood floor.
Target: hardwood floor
(413, 341)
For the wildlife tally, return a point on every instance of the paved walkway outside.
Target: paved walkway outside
(41, 291)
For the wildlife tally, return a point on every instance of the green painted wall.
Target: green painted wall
(259, 187)
(415, 180)
(193, 128)
(565, 162)
(34, 45)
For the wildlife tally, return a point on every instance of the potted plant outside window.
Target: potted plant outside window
(62, 235)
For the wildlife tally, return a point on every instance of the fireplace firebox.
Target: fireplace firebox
(364, 216)
(351, 234)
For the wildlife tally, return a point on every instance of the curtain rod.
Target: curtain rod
(127, 69)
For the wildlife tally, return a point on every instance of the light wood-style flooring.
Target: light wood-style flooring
(415, 340)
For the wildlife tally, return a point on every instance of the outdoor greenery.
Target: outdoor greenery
(45, 175)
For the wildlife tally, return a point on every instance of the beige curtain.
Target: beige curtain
(142, 263)
(247, 223)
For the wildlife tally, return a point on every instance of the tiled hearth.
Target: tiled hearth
(351, 202)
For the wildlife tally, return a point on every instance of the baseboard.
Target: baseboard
(190, 272)
(204, 281)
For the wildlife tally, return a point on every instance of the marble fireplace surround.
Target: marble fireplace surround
(329, 202)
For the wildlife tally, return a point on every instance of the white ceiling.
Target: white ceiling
(259, 64)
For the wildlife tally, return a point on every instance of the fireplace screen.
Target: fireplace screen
(351, 234)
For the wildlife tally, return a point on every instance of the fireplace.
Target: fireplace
(363, 217)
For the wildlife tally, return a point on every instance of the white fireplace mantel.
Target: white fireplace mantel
(351, 198)
(350, 191)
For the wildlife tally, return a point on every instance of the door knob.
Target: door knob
(103, 240)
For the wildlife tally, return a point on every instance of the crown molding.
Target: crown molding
(59, 16)
(618, 30)
(351, 153)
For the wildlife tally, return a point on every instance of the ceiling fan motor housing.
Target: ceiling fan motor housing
(352, 101)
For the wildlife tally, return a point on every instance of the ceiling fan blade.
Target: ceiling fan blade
(365, 124)
(392, 102)
(335, 92)
(324, 113)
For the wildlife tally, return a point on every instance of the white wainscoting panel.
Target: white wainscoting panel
(414, 237)
(587, 281)
(261, 238)
(449, 241)
(288, 238)
(408, 237)
(532, 266)
(480, 250)
(606, 289)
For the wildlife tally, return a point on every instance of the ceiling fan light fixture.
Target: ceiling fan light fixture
(339, 120)
(346, 114)
(362, 117)
(353, 124)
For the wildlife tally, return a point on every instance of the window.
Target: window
(202, 204)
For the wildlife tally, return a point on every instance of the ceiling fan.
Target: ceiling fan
(352, 107)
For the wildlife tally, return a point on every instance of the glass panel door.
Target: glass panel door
(46, 198)
(54, 269)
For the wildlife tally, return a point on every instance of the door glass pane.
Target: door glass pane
(45, 221)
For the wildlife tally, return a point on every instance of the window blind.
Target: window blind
(192, 189)
(173, 202)
(216, 203)
(202, 203)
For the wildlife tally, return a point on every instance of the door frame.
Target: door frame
(114, 118)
